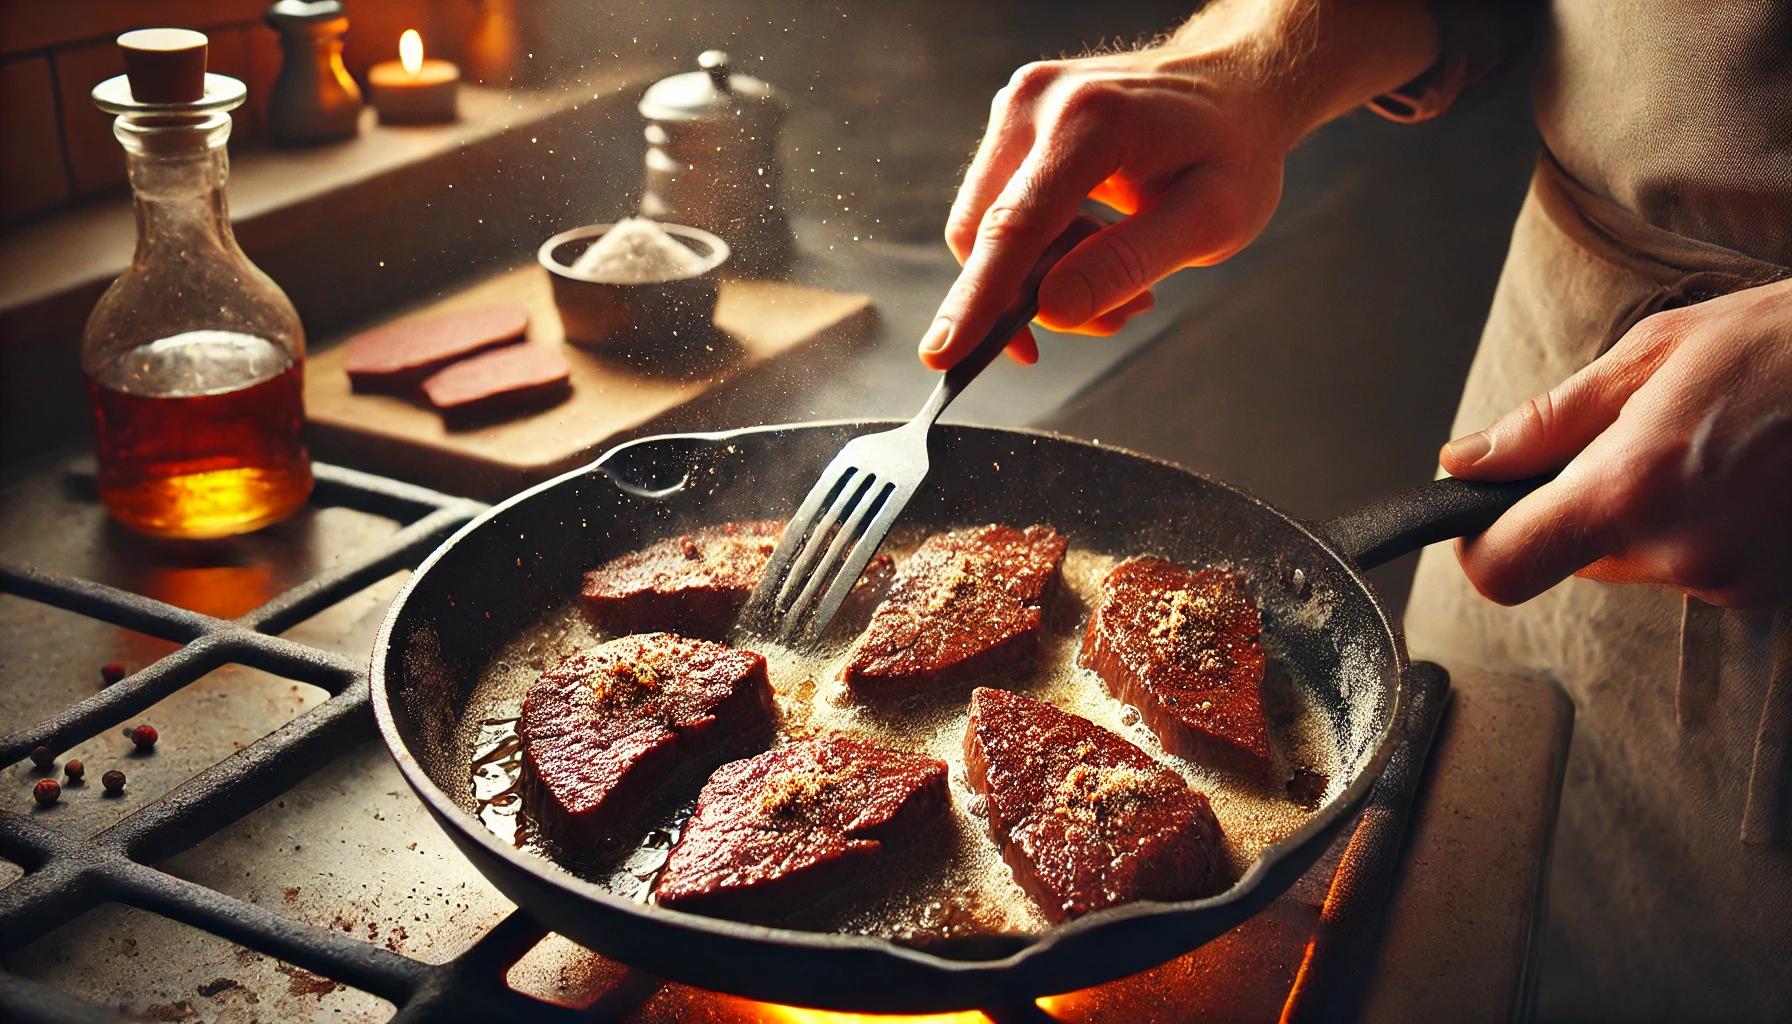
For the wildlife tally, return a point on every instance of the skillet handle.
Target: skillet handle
(1387, 528)
(658, 467)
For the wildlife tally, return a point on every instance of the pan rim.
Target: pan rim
(448, 812)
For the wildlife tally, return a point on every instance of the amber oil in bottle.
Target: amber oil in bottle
(194, 357)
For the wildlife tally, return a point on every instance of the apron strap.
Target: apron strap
(1684, 270)
(1620, 238)
(1763, 819)
(1701, 658)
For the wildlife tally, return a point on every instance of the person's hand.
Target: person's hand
(1188, 138)
(1196, 158)
(1676, 456)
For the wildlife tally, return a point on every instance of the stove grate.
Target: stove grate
(66, 877)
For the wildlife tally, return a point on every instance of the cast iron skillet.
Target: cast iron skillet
(507, 569)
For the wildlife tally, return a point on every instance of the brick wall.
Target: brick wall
(59, 148)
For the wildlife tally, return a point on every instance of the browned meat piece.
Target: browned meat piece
(864, 597)
(1182, 646)
(1085, 819)
(967, 603)
(606, 727)
(396, 357)
(693, 584)
(503, 381)
(774, 833)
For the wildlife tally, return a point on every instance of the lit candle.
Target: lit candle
(411, 90)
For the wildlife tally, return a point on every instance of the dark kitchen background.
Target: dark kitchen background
(1320, 368)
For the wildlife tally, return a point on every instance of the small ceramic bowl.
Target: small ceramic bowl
(661, 316)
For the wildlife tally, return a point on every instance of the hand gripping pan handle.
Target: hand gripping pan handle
(1389, 527)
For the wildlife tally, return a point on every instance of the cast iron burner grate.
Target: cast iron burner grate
(66, 877)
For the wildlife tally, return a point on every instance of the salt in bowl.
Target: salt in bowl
(660, 316)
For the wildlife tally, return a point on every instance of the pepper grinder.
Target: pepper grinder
(314, 99)
(712, 161)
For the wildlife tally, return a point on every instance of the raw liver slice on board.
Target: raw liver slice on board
(396, 357)
(512, 379)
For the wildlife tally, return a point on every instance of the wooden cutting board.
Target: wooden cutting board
(761, 323)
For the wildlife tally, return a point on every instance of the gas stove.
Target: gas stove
(266, 862)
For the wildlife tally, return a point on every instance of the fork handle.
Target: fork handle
(1016, 316)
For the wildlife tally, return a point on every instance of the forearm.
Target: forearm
(1318, 59)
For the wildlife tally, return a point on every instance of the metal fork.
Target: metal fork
(849, 512)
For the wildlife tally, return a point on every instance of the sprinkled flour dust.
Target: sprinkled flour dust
(951, 883)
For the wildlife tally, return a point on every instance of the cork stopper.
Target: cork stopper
(165, 65)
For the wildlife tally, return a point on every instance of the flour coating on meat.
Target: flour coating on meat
(967, 603)
(604, 728)
(1085, 819)
(774, 833)
(693, 584)
(1184, 647)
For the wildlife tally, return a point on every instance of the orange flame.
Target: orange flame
(772, 1014)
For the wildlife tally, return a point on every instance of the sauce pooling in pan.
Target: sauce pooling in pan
(952, 882)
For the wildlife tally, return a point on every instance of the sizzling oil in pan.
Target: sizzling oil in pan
(951, 883)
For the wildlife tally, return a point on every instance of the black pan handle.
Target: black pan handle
(1385, 529)
(1016, 316)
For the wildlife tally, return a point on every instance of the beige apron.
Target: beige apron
(1671, 894)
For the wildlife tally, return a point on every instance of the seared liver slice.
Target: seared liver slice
(396, 357)
(774, 833)
(693, 584)
(1085, 819)
(965, 604)
(604, 728)
(1182, 646)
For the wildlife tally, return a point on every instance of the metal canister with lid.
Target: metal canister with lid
(712, 160)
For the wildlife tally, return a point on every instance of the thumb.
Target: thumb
(1549, 430)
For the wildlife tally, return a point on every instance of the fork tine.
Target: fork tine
(898, 458)
(827, 568)
(826, 490)
(758, 613)
(888, 505)
(806, 563)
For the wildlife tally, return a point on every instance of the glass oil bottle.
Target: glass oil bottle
(194, 358)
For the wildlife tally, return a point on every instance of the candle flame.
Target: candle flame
(410, 52)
